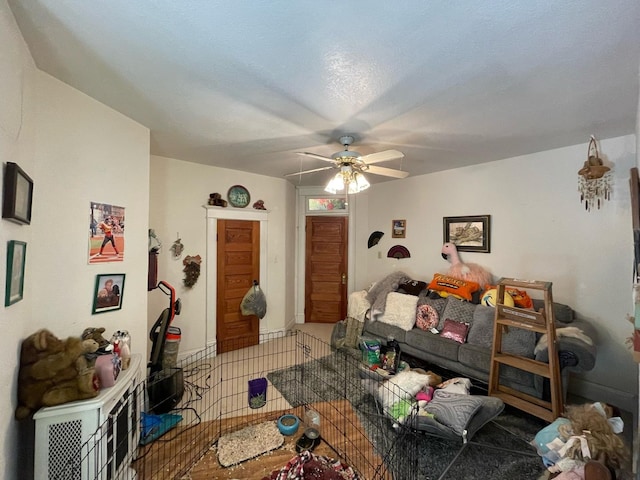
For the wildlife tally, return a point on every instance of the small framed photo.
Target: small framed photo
(399, 229)
(18, 195)
(16, 258)
(108, 292)
(469, 234)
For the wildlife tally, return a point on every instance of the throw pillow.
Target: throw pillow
(453, 286)
(412, 287)
(454, 410)
(455, 330)
(400, 310)
(520, 298)
(426, 317)
(457, 310)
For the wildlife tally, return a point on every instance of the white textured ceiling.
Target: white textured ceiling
(246, 84)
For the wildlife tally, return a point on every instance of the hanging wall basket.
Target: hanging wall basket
(594, 182)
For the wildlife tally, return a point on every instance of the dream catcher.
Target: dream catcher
(594, 183)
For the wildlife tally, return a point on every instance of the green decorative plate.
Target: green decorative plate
(238, 196)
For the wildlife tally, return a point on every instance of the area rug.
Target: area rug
(500, 450)
(249, 442)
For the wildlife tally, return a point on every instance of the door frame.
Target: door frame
(304, 193)
(213, 214)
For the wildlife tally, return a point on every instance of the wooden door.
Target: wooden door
(326, 269)
(237, 267)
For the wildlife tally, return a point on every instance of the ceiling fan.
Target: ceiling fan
(352, 165)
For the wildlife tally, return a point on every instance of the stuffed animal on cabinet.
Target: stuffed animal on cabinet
(54, 371)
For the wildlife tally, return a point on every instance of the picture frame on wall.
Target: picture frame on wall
(469, 234)
(16, 260)
(399, 229)
(108, 292)
(17, 197)
(106, 233)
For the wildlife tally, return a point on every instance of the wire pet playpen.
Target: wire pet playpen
(295, 374)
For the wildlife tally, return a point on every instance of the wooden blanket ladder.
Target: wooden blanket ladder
(541, 322)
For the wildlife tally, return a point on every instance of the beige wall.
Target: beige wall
(178, 192)
(540, 231)
(17, 144)
(76, 150)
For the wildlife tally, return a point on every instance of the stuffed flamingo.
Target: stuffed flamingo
(464, 271)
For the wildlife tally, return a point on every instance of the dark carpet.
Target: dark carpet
(500, 450)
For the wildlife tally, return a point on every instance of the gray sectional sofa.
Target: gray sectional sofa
(472, 358)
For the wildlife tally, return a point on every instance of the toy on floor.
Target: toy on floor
(464, 271)
(54, 371)
(587, 432)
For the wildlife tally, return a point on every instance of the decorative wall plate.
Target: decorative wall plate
(238, 196)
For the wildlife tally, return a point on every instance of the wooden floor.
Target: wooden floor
(340, 428)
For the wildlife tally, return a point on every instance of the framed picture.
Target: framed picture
(469, 234)
(18, 195)
(106, 233)
(399, 229)
(108, 292)
(16, 257)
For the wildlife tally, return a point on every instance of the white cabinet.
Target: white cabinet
(94, 438)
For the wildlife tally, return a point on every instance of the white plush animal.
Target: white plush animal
(403, 386)
(573, 332)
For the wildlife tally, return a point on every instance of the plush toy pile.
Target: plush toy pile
(54, 371)
(586, 432)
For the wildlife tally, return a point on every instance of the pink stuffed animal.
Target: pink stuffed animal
(464, 271)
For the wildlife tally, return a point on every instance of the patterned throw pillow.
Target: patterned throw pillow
(457, 310)
(455, 330)
(453, 409)
(426, 317)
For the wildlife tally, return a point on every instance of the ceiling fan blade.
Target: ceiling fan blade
(308, 171)
(382, 156)
(387, 172)
(315, 155)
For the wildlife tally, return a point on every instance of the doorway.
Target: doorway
(326, 244)
(238, 265)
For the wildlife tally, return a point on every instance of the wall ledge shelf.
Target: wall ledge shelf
(235, 213)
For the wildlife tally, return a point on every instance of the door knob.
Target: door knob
(344, 278)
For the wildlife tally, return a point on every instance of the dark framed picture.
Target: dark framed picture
(16, 258)
(399, 229)
(469, 234)
(18, 194)
(108, 292)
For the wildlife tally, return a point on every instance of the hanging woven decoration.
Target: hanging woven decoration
(594, 182)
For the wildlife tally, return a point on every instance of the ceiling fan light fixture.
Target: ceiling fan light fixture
(354, 181)
(361, 182)
(335, 185)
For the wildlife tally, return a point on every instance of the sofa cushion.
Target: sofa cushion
(434, 344)
(384, 330)
(458, 311)
(516, 340)
(561, 312)
(479, 358)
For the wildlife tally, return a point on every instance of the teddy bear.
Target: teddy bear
(54, 371)
(95, 333)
